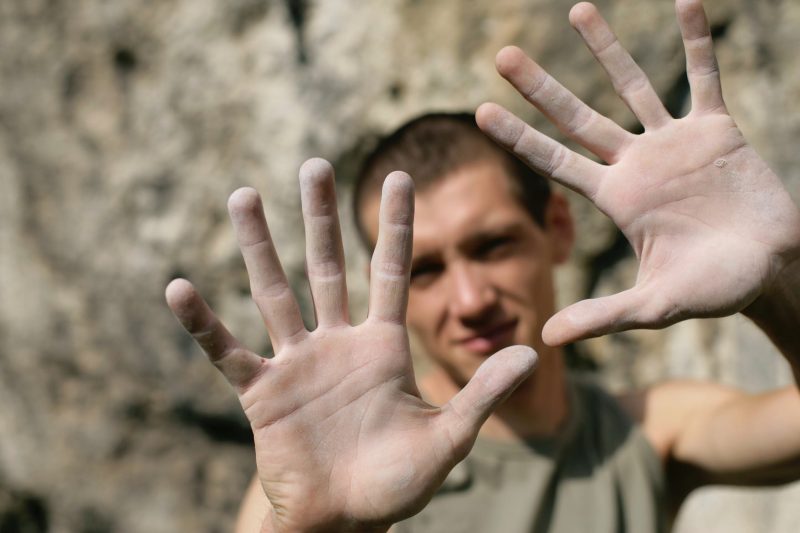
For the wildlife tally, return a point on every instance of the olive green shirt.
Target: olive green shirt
(600, 475)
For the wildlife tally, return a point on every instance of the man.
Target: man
(344, 440)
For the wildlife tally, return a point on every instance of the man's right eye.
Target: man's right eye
(425, 274)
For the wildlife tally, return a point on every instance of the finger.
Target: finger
(498, 376)
(630, 309)
(268, 284)
(324, 252)
(628, 79)
(391, 261)
(540, 152)
(701, 63)
(239, 365)
(577, 120)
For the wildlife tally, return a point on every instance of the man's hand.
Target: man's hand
(343, 440)
(711, 224)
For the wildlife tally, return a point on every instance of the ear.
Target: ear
(368, 217)
(560, 226)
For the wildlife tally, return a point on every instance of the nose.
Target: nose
(472, 294)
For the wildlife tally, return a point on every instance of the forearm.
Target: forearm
(777, 313)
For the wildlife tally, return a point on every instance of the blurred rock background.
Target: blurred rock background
(124, 125)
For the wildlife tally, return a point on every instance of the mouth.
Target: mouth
(491, 339)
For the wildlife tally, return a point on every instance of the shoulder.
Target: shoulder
(665, 410)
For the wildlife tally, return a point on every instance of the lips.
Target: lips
(491, 339)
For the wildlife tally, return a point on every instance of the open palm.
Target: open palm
(710, 223)
(343, 440)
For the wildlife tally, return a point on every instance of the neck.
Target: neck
(537, 408)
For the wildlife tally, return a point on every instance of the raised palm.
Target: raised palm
(711, 224)
(342, 438)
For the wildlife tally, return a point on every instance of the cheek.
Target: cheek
(519, 277)
(528, 286)
(424, 310)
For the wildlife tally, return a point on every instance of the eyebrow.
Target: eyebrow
(491, 233)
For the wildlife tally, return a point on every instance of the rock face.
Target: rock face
(123, 127)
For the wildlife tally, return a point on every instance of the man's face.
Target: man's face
(482, 268)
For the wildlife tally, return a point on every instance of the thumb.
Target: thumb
(494, 381)
(592, 318)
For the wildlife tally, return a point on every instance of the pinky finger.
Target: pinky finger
(239, 365)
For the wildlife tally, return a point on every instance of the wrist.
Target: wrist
(271, 525)
(777, 312)
(780, 296)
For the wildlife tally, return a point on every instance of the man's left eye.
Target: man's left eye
(495, 246)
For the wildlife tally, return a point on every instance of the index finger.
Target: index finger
(569, 114)
(540, 152)
(391, 261)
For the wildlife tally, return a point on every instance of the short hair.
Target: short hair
(433, 145)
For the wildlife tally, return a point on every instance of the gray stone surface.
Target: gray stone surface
(123, 127)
